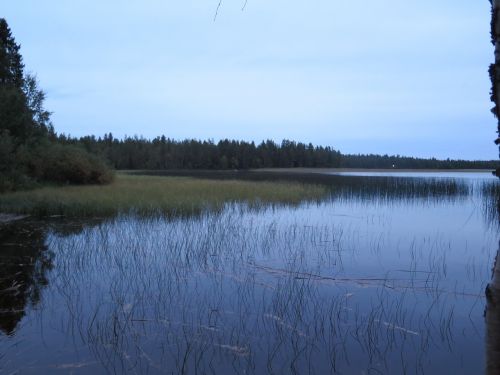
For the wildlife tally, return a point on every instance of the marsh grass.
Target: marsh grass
(155, 194)
(367, 188)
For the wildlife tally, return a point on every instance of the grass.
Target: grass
(152, 194)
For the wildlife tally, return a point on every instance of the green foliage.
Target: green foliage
(67, 165)
(35, 98)
(14, 114)
(7, 159)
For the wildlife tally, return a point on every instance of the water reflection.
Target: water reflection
(24, 263)
(384, 276)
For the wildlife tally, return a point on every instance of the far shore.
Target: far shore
(388, 170)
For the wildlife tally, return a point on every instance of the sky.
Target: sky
(391, 76)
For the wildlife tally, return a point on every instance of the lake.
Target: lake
(385, 275)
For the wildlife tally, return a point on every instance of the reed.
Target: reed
(154, 194)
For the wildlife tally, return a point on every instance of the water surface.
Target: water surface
(386, 275)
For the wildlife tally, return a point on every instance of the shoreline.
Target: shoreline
(381, 170)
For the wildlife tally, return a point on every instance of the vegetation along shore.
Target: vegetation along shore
(153, 194)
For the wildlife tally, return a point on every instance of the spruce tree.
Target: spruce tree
(11, 61)
(14, 114)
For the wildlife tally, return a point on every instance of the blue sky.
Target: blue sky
(390, 76)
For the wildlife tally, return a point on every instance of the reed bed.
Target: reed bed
(154, 194)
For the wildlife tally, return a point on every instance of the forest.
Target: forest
(166, 153)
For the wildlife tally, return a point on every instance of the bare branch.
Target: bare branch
(217, 10)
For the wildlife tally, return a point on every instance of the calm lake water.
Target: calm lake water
(386, 275)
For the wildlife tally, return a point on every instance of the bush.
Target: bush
(12, 175)
(65, 164)
(41, 161)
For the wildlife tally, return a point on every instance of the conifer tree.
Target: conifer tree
(11, 61)
(14, 115)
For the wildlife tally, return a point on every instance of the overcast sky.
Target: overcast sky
(391, 76)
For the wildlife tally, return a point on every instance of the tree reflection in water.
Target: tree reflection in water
(24, 264)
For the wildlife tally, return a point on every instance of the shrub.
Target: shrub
(65, 164)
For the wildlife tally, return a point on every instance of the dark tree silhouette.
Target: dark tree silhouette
(14, 116)
(24, 263)
(11, 61)
(494, 69)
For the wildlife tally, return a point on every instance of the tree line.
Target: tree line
(163, 153)
(166, 153)
(405, 162)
